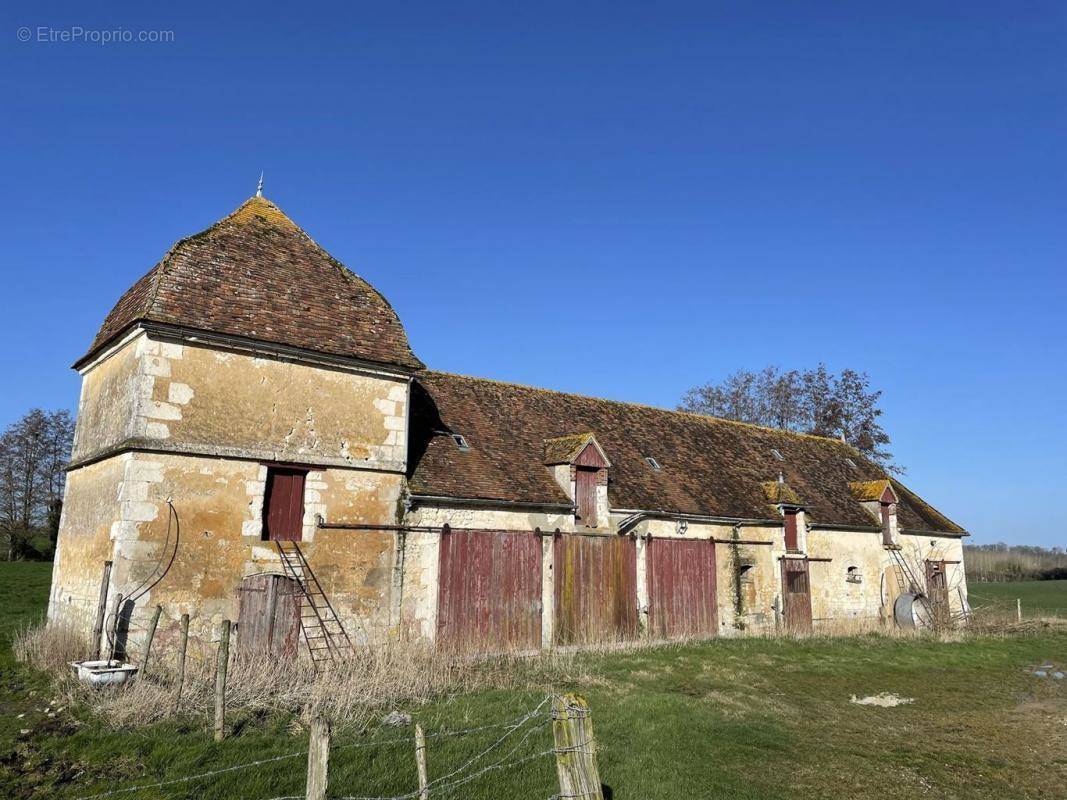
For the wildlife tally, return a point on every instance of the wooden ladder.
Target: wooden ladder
(326, 637)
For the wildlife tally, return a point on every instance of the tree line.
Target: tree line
(840, 405)
(1003, 562)
(34, 452)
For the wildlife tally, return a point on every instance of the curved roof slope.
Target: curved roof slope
(708, 466)
(255, 274)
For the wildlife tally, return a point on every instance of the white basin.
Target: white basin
(103, 673)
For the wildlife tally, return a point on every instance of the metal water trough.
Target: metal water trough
(103, 673)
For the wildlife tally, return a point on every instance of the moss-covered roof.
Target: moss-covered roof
(780, 492)
(870, 491)
(708, 466)
(564, 449)
(255, 274)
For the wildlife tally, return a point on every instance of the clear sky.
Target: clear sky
(616, 199)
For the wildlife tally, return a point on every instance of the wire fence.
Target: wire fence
(503, 753)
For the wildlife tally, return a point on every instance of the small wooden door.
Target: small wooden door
(937, 590)
(796, 595)
(585, 480)
(268, 623)
(283, 505)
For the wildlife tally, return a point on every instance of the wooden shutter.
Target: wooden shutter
(585, 495)
(283, 516)
(790, 530)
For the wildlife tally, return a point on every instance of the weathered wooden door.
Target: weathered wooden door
(268, 622)
(682, 599)
(489, 592)
(595, 588)
(283, 504)
(796, 595)
(937, 590)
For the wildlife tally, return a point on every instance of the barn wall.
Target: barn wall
(193, 398)
(118, 510)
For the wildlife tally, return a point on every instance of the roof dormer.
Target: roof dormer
(880, 500)
(788, 503)
(580, 466)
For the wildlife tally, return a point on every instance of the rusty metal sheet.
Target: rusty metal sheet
(796, 594)
(682, 598)
(489, 592)
(595, 589)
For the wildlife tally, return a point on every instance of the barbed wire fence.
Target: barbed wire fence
(573, 750)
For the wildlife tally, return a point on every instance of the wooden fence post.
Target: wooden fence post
(151, 636)
(318, 759)
(420, 762)
(183, 643)
(113, 629)
(572, 729)
(1019, 609)
(101, 610)
(220, 681)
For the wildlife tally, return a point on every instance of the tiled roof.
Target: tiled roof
(564, 449)
(708, 466)
(255, 274)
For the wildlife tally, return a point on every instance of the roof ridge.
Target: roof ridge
(706, 418)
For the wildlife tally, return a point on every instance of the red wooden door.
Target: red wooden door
(283, 513)
(585, 495)
(796, 594)
(489, 592)
(682, 598)
(595, 581)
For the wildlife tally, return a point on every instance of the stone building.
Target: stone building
(256, 441)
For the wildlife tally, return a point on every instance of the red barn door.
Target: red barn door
(682, 598)
(489, 593)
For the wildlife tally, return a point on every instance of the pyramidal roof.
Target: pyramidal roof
(255, 274)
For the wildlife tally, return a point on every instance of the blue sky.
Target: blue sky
(701, 186)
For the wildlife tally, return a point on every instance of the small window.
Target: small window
(653, 463)
(777, 454)
(747, 572)
(460, 441)
(852, 575)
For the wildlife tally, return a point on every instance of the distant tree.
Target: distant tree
(817, 401)
(33, 453)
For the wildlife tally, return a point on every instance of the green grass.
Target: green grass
(1039, 597)
(746, 718)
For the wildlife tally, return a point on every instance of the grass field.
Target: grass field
(1039, 597)
(745, 718)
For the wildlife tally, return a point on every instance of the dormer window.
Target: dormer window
(581, 467)
(791, 538)
(460, 441)
(880, 499)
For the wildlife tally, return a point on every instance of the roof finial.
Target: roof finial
(781, 478)
(259, 188)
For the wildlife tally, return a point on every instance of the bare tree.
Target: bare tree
(33, 453)
(841, 406)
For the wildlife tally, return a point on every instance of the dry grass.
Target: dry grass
(351, 693)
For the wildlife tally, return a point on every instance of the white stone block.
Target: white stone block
(394, 423)
(157, 430)
(180, 393)
(252, 528)
(155, 365)
(150, 471)
(139, 512)
(399, 393)
(170, 350)
(159, 410)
